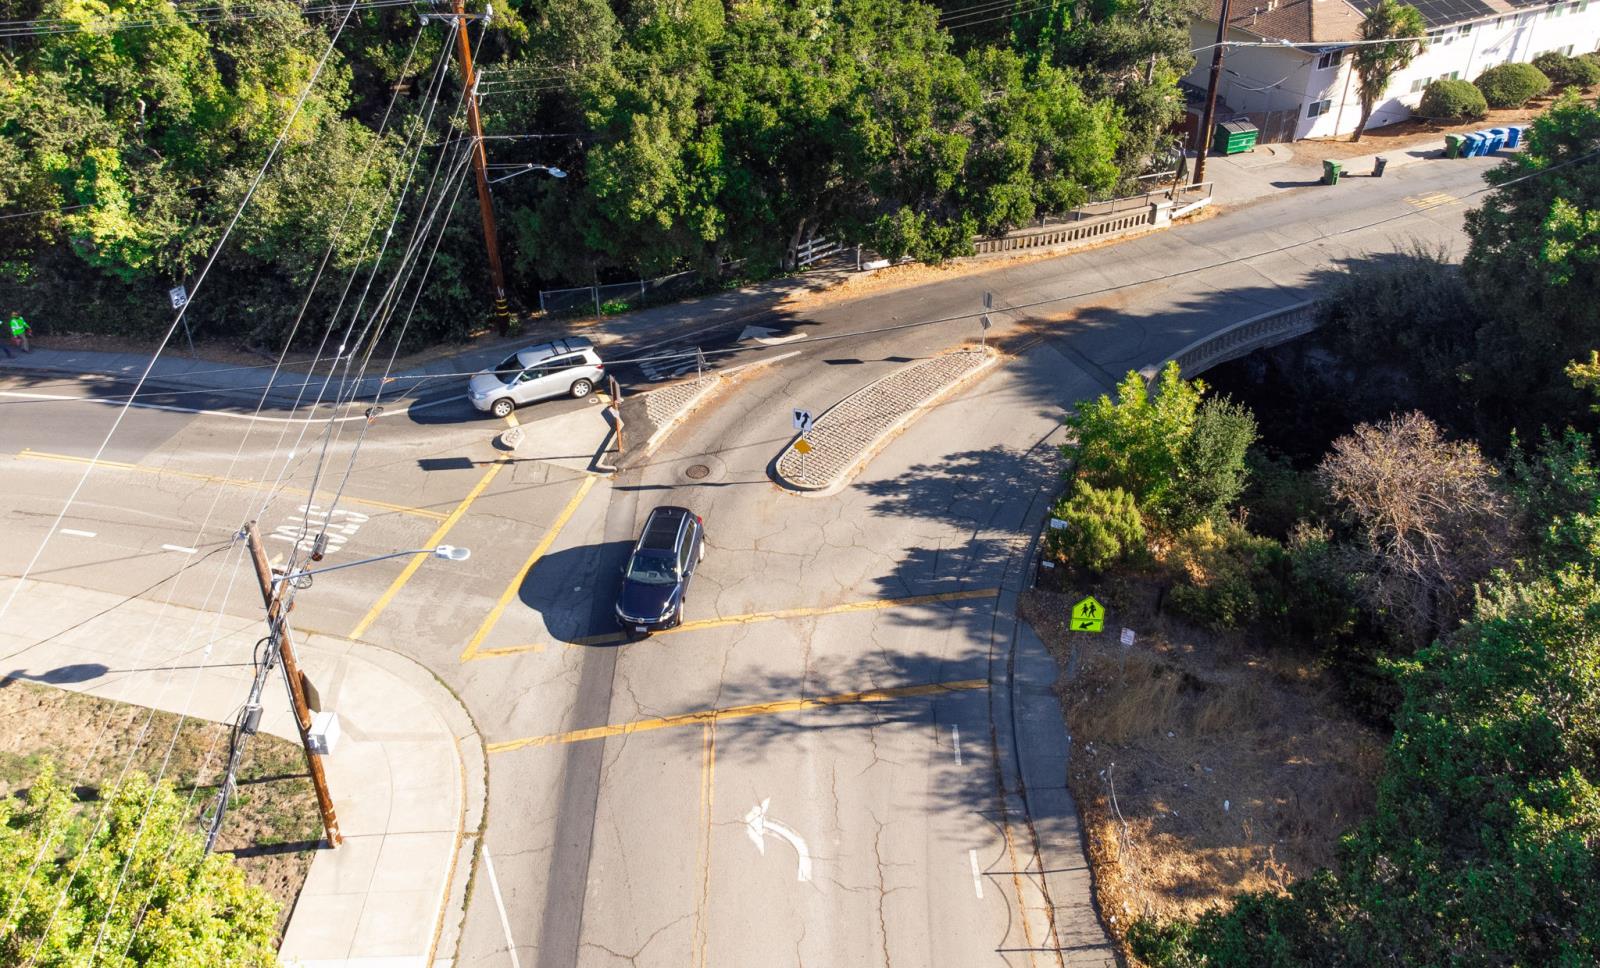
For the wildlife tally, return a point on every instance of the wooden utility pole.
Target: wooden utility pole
(491, 241)
(1207, 122)
(278, 625)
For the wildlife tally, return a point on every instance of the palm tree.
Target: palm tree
(1377, 64)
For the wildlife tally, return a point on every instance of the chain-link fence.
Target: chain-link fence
(618, 296)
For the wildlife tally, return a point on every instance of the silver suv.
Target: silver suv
(565, 367)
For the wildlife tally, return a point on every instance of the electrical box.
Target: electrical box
(324, 732)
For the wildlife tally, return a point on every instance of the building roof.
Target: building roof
(1300, 21)
(1440, 13)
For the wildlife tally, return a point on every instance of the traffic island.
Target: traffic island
(848, 434)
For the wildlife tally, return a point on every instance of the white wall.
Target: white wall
(1281, 72)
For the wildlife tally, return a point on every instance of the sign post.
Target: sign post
(802, 422)
(179, 295)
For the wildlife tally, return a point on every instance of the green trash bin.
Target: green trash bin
(1234, 137)
(1452, 146)
(1330, 172)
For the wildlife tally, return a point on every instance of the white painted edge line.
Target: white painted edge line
(955, 741)
(180, 549)
(977, 875)
(76, 533)
(117, 402)
(499, 902)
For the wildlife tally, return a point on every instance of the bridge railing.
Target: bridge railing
(1246, 336)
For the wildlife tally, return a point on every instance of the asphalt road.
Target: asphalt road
(864, 830)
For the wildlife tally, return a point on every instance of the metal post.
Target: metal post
(491, 242)
(278, 620)
(1211, 97)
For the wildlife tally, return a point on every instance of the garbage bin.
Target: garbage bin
(1234, 137)
(1452, 146)
(1378, 165)
(1497, 138)
(1330, 172)
(1513, 135)
(1471, 145)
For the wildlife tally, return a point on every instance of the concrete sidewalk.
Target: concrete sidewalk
(408, 774)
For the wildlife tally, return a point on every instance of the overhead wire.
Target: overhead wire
(255, 183)
(45, 27)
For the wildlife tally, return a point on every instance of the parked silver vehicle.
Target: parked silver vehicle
(565, 367)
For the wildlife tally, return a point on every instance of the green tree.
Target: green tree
(1482, 847)
(1136, 442)
(137, 890)
(1103, 527)
(1377, 64)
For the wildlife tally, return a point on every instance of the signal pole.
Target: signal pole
(491, 242)
(1206, 122)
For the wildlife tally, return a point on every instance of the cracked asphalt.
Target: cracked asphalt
(633, 849)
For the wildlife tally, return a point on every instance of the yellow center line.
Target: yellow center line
(30, 454)
(416, 561)
(506, 596)
(871, 605)
(738, 712)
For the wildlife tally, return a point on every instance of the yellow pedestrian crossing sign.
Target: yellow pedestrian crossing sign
(1088, 616)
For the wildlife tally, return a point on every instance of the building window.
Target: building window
(1319, 108)
(1453, 75)
(1463, 30)
(1330, 59)
(1420, 83)
(1567, 50)
(1501, 21)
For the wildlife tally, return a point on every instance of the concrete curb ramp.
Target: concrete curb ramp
(849, 433)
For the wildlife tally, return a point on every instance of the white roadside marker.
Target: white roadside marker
(180, 549)
(955, 741)
(75, 532)
(977, 876)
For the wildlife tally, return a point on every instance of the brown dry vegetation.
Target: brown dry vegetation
(1419, 132)
(91, 739)
(1203, 766)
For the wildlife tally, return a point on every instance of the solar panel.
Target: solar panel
(1439, 13)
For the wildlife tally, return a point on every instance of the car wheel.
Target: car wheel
(581, 389)
(502, 407)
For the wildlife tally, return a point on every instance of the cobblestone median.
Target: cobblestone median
(847, 433)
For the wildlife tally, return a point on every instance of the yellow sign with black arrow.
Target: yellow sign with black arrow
(1088, 616)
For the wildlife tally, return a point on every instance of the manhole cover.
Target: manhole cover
(696, 472)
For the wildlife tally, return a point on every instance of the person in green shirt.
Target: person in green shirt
(19, 333)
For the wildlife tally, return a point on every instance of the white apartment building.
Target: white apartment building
(1292, 93)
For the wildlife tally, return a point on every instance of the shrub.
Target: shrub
(1511, 85)
(1136, 441)
(1278, 496)
(1320, 594)
(1211, 468)
(1103, 528)
(1229, 576)
(1449, 99)
(1565, 71)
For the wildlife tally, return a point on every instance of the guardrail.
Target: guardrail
(1246, 336)
(1070, 232)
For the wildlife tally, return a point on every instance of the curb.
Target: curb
(718, 381)
(840, 480)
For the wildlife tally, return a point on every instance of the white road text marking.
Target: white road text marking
(977, 876)
(76, 532)
(180, 549)
(955, 741)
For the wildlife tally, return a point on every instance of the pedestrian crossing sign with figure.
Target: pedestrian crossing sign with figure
(1088, 616)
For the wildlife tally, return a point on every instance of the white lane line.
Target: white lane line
(955, 741)
(77, 533)
(977, 876)
(181, 549)
(119, 401)
(499, 902)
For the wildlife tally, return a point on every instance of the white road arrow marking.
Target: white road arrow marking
(763, 335)
(757, 825)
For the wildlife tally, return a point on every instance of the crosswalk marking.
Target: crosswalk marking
(1430, 200)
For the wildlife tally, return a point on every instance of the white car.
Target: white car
(565, 367)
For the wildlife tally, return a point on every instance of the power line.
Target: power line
(202, 16)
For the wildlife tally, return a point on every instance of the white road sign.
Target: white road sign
(803, 421)
(179, 296)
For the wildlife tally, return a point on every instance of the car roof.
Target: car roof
(544, 351)
(661, 528)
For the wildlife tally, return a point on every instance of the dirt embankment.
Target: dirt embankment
(1203, 766)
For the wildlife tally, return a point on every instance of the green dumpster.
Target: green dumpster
(1233, 137)
(1330, 172)
(1452, 146)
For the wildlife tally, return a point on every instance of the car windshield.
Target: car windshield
(508, 368)
(652, 569)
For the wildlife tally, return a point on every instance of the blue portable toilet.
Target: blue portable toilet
(1513, 136)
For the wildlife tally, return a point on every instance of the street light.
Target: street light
(302, 578)
(553, 172)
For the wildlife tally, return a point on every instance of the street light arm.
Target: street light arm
(448, 552)
(552, 171)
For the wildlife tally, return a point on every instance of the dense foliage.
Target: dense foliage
(1565, 71)
(1448, 99)
(693, 133)
(133, 888)
(1511, 85)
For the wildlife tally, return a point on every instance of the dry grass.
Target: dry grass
(1203, 768)
(91, 739)
(1415, 132)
